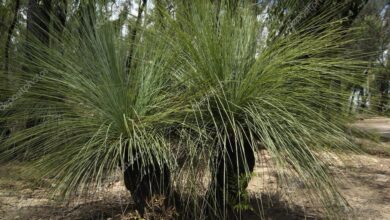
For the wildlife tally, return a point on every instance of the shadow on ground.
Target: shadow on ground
(273, 208)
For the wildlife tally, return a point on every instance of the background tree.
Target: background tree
(9, 35)
(290, 15)
(373, 38)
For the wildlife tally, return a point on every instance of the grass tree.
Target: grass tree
(251, 96)
(95, 113)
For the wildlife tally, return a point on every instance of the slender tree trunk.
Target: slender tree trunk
(6, 125)
(133, 36)
(9, 36)
(383, 94)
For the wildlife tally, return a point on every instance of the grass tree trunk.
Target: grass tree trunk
(146, 180)
(231, 175)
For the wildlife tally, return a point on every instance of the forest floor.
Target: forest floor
(364, 183)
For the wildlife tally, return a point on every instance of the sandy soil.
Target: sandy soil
(365, 185)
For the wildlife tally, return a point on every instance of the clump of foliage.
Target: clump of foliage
(285, 96)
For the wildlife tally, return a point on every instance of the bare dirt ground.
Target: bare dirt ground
(365, 185)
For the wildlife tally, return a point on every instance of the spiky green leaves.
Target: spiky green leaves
(89, 112)
(287, 95)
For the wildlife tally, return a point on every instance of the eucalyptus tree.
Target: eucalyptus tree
(373, 38)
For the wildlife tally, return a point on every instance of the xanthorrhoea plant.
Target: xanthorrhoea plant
(250, 96)
(94, 114)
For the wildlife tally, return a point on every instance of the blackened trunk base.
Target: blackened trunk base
(231, 175)
(146, 182)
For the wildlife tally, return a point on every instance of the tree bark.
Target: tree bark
(9, 36)
(5, 126)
